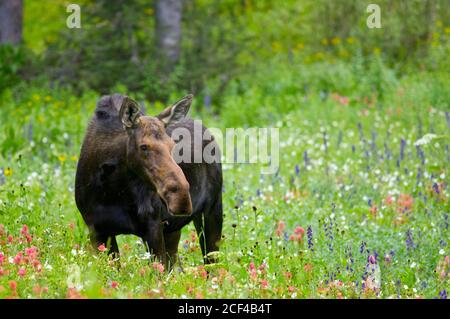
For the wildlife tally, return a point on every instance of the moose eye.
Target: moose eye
(144, 147)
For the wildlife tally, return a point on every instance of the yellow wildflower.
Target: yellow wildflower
(62, 158)
(325, 41)
(7, 171)
(319, 55)
(74, 158)
(36, 97)
(377, 51)
(350, 40)
(343, 53)
(336, 41)
(276, 46)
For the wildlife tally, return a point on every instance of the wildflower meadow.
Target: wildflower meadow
(358, 206)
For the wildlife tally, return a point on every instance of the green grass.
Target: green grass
(356, 195)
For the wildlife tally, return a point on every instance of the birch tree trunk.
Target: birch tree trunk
(168, 31)
(11, 21)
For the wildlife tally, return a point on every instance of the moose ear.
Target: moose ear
(129, 112)
(177, 111)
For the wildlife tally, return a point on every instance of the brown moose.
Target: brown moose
(127, 181)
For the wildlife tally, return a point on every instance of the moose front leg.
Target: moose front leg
(154, 240)
(110, 242)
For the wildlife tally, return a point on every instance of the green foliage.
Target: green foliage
(12, 60)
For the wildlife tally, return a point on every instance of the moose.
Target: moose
(127, 181)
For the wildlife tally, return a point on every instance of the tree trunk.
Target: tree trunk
(168, 31)
(11, 21)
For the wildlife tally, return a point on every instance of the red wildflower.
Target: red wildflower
(18, 258)
(264, 283)
(22, 272)
(2, 257)
(114, 284)
(102, 247)
(158, 266)
(280, 228)
(307, 267)
(10, 239)
(404, 203)
(299, 230)
(252, 271)
(344, 100)
(389, 200)
(72, 293)
(37, 290)
(37, 265)
(203, 271)
(288, 275)
(373, 210)
(13, 285)
(24, 230)
(31, 252)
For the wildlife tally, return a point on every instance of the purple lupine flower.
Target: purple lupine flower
(387, 151)
(402, 149)
(297, 170)
(409, 240)
(353, 148)
(419, 174)
(421, 154)
(398, 285)
(436, 188)
(309, 233)
(443, 294)
(363, 247)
